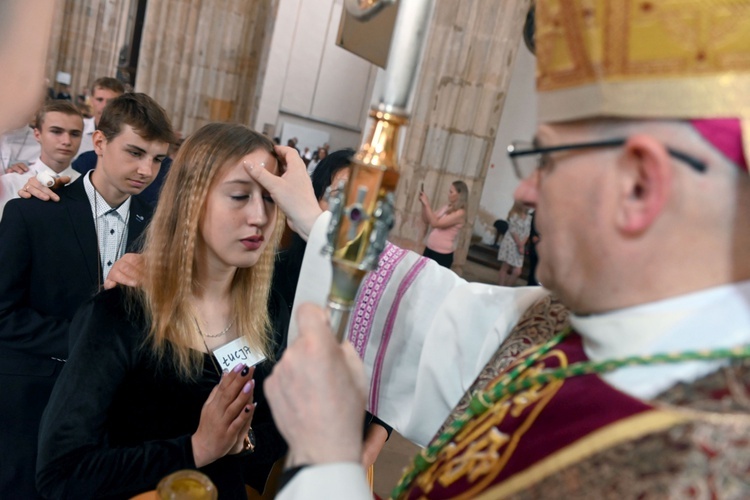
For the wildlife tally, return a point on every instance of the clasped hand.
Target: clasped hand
(317, 394)
(225, 417)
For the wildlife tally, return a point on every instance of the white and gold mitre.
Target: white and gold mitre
(647, 59)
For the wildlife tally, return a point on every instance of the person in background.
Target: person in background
(103, 90)
(317, 157)
(153, 383)
(445, 224)
(513, 247)
(531, 253)
(58, 130)
(19, 148)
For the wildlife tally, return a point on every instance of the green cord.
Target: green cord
(508, 385)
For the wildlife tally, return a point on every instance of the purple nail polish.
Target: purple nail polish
(238, 368)
(248, 387)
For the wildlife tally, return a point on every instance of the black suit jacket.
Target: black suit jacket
(50, 258)
(49, 266)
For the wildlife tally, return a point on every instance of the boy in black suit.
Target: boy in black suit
(55, 256)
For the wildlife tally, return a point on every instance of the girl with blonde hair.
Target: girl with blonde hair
(163, 375)
(445, 223)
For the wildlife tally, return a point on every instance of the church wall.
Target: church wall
(310, 81)
(518, 123)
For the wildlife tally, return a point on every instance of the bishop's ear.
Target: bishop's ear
(645, 183)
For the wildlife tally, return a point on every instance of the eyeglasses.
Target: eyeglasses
(526, 157)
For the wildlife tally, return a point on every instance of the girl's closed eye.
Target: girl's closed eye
(239, 197)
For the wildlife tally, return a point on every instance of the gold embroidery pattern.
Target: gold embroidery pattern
(539, 323)
(584, 41)
(481, 450)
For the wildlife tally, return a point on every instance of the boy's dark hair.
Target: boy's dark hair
(57, 106)
(109, 83)
(148, 119)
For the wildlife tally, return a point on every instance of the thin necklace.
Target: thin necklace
(220, 334)
(509, 385)
(209, 351)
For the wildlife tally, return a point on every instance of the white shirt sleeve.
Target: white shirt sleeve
(423, 332)
(337, 481)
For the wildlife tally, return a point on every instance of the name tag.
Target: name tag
(236, 352)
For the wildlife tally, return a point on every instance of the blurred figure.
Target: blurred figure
(64, 93)
(445, 224)
(103, 90)
(317, 157)
(513, 247)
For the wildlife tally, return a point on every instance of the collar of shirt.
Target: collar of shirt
(99, 206)
(715, 318)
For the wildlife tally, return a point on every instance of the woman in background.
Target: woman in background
(160, 377)
(445, 223)
(512, 248)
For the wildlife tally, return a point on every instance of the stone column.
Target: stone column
(86, 39)
(204, 60)
(455, 115)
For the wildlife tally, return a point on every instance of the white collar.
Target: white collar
(39, 166)
(715, 318)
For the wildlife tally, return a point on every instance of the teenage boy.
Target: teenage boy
(58, 130)
(56, 256)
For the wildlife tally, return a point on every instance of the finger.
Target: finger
(314, 318)
(266, 179)
(242, 421)
(356, 368)
(61, 181)
(244, 398)
(286, 152)
(231, 386)
(212, 395)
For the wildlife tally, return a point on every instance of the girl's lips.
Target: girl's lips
(253, 242)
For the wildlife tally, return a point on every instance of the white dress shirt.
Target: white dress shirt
(111, 226)
(18, 146)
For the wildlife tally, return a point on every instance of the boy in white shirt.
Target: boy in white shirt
(59, 128)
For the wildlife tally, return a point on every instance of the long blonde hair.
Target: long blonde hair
(169, 252)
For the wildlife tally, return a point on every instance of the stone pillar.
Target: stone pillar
(456, 112)
(204, 60)
(86, 39)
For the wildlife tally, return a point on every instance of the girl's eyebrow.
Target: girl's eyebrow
(243, 182)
